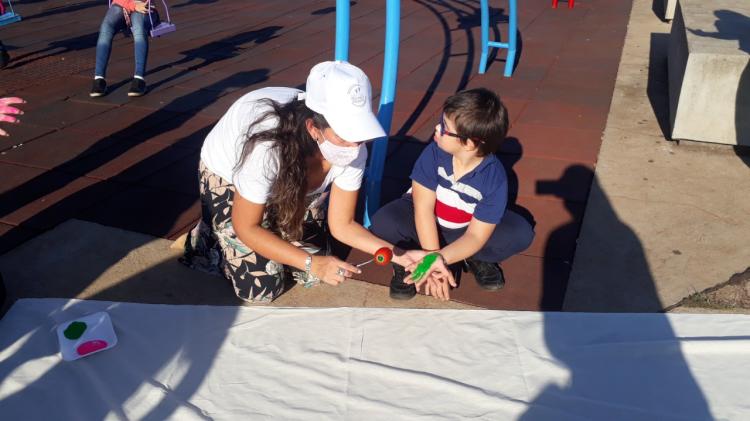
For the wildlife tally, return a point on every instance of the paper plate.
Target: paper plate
(85, 336)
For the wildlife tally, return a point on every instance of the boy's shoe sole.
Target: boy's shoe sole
(134, 94)
(95, 94)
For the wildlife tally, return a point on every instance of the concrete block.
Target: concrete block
(709, 71)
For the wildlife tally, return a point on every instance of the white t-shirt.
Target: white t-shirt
(223, 147)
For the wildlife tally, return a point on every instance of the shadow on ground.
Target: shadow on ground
(580, 392)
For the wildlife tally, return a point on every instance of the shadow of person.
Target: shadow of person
(616, 375)
(512, 151)
(560, 239)
(731, 25)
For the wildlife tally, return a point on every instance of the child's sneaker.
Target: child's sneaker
(400, 290)
(489, 275)
(99, 88)
(137, 87)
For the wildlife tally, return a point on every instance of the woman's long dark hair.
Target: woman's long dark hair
(292, 145)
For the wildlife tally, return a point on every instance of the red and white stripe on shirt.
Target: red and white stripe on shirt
(451, 211)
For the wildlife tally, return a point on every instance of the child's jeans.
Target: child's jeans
(114, 21)
(394, 223)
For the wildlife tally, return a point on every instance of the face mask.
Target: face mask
(340, 156)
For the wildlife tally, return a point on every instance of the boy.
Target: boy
(458, 197)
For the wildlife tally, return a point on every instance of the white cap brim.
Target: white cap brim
(359, 127)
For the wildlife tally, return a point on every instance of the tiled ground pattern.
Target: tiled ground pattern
(131, 163)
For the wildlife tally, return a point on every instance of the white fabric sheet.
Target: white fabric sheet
(230, 363)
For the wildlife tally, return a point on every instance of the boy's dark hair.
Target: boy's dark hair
(479, 115)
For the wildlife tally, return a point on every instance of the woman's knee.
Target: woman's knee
(261, 281)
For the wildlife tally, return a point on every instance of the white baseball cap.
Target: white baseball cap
(341, 92)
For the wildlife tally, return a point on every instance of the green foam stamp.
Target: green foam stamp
(424, 266)
(75, 330)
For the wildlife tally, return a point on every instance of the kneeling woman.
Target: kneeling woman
(275, 164)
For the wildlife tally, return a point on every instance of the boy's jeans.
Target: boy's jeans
(394, 223)
(114, 21)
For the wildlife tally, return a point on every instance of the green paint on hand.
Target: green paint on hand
(74, 330)
(424, 266)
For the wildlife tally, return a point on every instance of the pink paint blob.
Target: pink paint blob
(91, 346)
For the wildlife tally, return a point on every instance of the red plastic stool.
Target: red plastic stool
(571, 4)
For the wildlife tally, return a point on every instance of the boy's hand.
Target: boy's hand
(8, 113)
(436, 286)
(438, 270)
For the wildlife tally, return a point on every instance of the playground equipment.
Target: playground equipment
(571, 4)
(374, 173)
(510, 60)
(162, 28)
(8, 16)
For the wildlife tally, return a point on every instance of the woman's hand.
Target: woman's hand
(8, 112)
(408, 257)
(332, 270)
(141, 7)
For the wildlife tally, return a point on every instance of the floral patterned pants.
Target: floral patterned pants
(213, 246)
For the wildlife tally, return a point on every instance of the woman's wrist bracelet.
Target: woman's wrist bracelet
(310, 279)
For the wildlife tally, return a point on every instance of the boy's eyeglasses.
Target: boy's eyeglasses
(444, 131)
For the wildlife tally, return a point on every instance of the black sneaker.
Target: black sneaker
(399, 289)
(137, 87)
(99, 88)
(489, 276)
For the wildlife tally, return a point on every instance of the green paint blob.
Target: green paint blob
(75, 330)
(424, 266)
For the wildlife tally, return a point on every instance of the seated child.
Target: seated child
(459, 194)
(123, 13)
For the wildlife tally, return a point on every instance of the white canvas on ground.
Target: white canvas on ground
(229, 363)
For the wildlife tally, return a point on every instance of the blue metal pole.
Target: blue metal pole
(485, 17)
(342, 30)
(510, 61)
(385, 112)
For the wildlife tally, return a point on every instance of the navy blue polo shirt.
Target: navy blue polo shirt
(481, 193)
